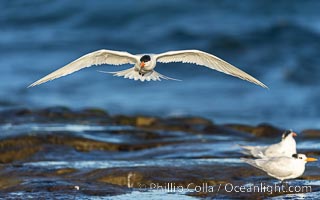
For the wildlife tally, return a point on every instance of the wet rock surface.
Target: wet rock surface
(79, 154)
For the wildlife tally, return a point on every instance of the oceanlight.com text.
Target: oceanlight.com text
(205, 187)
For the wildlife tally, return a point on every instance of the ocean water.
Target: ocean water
(276, 42)
(45, 153)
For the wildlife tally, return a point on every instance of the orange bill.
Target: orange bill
(142, 64)
(311, 159)
(294, 134)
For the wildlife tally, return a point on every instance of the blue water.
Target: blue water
(277, 42)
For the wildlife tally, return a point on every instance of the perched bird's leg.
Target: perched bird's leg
(285, 184)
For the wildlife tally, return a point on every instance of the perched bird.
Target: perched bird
(282, 168)
(144, 65)
(286, 147)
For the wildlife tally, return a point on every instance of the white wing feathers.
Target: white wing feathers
(133, 74)
(276, 167)
(119, 58)
(201, 58)
(95, 58)
(255, 151)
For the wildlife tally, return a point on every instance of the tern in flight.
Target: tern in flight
(144, 65)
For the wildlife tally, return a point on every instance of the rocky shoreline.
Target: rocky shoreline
(128, 152)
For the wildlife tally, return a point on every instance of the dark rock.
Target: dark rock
(95, 112)
(8, 181)
(225, 130)
(65, 171)
(262, 130)
(18, 149)
(51, 114)
(311, 133)
(179, 149)
(140, 121)
(23, 112)
(189, 124)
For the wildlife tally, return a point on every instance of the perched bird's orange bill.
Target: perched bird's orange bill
(294, 134)
(311, 159)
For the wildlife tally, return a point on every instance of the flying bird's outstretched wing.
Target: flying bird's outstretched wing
(94, 58)
(202, 58)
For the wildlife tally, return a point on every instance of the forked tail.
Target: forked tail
(131, 73)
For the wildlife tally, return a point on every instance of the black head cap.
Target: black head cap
(286, 133)
(295, 155)
(145, 58)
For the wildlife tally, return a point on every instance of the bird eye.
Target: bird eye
(300, 157)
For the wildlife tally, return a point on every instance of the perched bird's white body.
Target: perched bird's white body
(144, 65)
(286, 147)
(281, 168)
